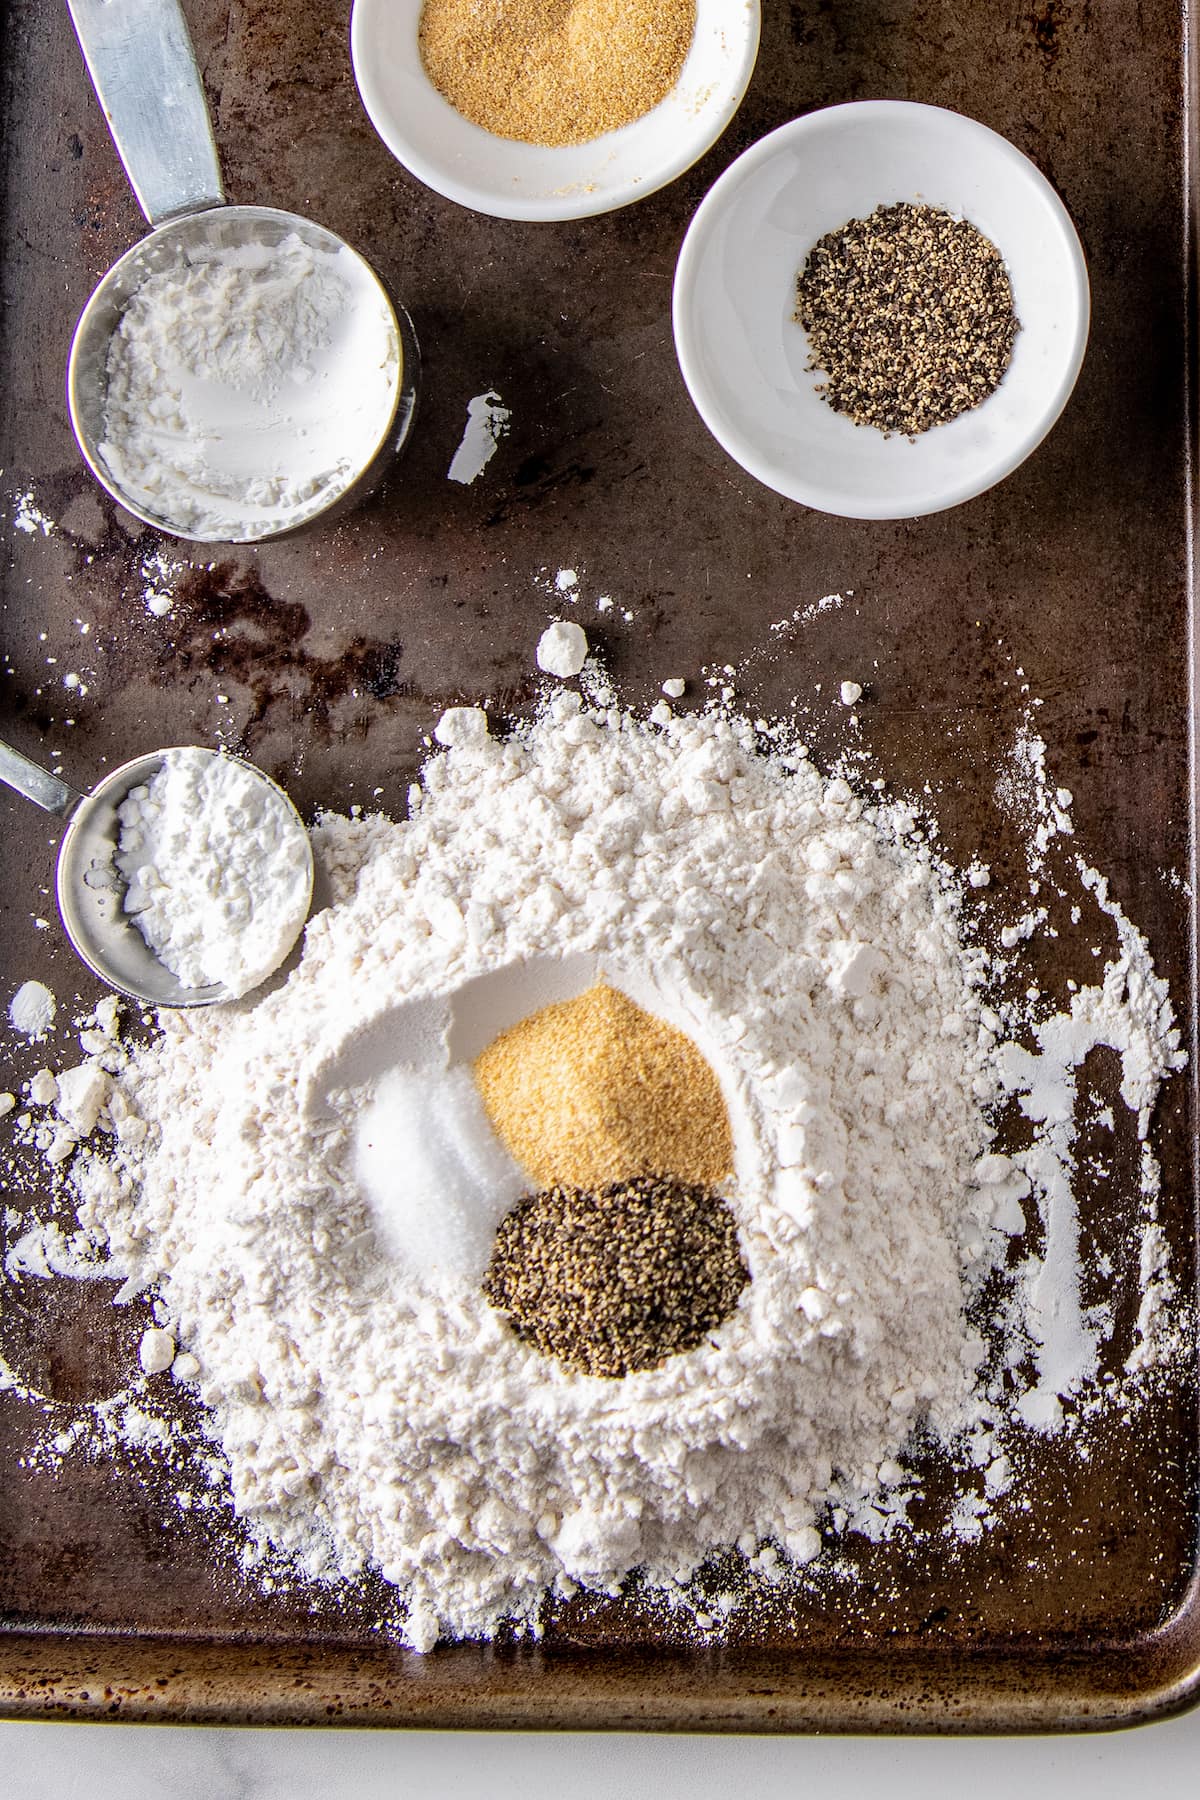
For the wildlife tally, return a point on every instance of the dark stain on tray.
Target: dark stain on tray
(225, 624)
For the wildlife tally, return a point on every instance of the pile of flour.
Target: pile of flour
(371, 1416)
(248, 385)
(368, 1418)
(217, 869)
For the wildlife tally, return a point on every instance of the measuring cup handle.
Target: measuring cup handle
(35, 783)
(143, 68)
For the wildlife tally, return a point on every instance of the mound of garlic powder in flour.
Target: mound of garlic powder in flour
(372, 1416)
(248, 385)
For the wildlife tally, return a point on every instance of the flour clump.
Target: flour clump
(31, 1010)
(562, 649)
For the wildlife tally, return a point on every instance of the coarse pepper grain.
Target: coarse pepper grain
(596, 1089)
(618, 1280)
(910, 314)
(555, 71)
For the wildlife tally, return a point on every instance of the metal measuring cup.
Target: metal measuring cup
(143, 67)
(89, 888)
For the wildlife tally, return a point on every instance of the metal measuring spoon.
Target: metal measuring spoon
(90, 889)
(143, 68)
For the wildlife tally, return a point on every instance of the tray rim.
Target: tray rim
(97, 1676)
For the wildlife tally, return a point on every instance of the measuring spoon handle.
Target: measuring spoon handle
(143, 68)
(35, 783)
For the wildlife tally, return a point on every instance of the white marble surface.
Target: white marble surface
(138, 1762)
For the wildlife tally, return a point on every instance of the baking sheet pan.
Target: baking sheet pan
(335, 652)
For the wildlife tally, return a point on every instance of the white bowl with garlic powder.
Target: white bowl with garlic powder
(514, 180)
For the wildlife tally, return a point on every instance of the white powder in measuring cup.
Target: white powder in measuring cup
(218, 871)
(248, 385)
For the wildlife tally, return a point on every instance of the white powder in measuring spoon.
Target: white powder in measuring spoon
(218, 872)
(248, 385)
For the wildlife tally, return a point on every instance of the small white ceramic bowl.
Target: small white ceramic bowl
(531, 181)
(743, 356)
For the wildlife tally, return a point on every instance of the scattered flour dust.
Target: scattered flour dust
(28, 516)
(373, 1411)
(159, 573)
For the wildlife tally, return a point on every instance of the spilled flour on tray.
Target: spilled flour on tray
(1128, 1012)
(909, 1277)
(488, 420)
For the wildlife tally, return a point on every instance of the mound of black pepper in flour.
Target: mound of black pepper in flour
(909, 313)
(620, 1279)
(374, 1410)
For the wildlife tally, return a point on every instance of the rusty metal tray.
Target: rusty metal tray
(336, 650)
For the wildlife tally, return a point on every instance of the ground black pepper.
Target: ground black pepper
(910, 315)
(620, 1279)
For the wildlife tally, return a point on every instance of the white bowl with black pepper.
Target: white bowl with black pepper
(493, 170)
(752, 368)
